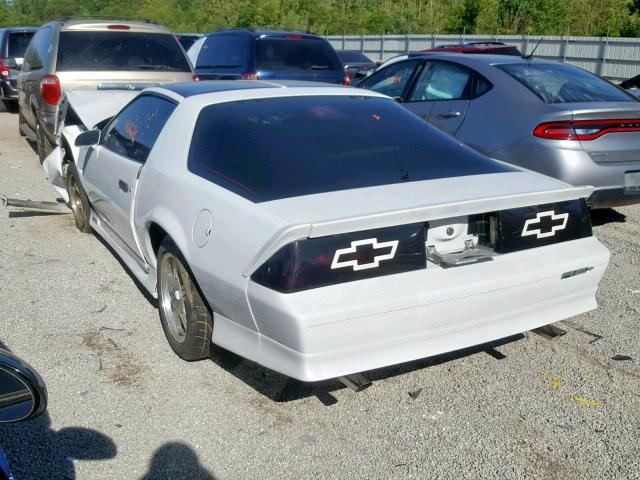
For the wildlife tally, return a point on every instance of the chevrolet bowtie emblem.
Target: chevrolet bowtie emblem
(353, 250)
(546, 224)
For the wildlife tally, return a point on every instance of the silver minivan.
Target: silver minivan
(88, 55)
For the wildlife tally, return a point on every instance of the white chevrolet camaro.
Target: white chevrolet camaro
(322, 231)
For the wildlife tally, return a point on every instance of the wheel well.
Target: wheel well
(156, 235)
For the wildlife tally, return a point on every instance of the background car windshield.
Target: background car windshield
(120, 51)
(268, 149)
(295, 55)
(18, 43)
(354, 57)
(555, 83)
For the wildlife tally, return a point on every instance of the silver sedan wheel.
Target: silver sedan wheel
(173, 296)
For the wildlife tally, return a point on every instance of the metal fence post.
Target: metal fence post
(361, 43)
(563, 49)
(604, 46)
(342, 42)
(525, 46)
(382, 47)
(407, 44)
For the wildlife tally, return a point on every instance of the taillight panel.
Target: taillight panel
(50, 89)
(4, 70)
(445, 243)
(317, 262)
(540, 225)
(584, 130)
(250, 76)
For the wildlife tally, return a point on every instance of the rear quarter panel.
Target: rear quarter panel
(172, 197)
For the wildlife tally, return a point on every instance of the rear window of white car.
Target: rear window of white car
(556, 83)
(268, 149)
(120, 51)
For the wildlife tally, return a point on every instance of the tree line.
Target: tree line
(353, 17)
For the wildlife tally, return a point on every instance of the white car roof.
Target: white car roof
(220, 91)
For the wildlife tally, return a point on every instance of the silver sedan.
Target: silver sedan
(545, 116)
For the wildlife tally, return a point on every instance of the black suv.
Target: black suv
(247, 54)
(13, 44)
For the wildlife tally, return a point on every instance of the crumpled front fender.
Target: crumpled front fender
(54, 165)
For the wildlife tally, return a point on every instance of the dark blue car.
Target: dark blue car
(247, 54)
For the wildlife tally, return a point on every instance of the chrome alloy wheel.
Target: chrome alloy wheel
(75, 201)
(173, 297)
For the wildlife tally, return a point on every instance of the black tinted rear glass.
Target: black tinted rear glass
(295, 55)
(556, 83)
(18, 43)
(187, 40)
(120, 51)
(222, 51)
(267, 149)
(354, 57)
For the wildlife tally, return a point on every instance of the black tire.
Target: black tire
(43, 144)
(21, 122)
(78, 200)
(189, 328)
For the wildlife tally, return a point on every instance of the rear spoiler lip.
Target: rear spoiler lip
(417, 214)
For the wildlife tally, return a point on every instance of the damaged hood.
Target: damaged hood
(94, 106)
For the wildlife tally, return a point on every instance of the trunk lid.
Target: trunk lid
(345, 211)
(612, 147)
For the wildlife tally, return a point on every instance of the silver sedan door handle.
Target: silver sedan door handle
(123, 186)
(449, 114)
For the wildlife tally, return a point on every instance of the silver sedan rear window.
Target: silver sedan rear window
(556, 83)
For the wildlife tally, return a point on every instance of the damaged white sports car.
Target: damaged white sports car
(323, 231)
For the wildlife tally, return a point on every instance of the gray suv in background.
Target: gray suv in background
(88, 55)
(13, 44)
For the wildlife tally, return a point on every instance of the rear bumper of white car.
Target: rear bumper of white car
(358, 326)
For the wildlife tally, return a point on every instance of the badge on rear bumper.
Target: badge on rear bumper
(546, 224)
(350, 257)
(540, 225)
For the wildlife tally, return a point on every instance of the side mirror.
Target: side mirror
(90, 138)
(23, 395)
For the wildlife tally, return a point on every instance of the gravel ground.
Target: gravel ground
(122, 405)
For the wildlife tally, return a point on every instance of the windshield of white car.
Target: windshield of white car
(120, 51)
(556, 83)
(268, 149)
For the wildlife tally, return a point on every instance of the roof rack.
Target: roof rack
(106, 17)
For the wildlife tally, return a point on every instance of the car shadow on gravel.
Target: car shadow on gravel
(280, 388)
(602, 216)
(35, 450)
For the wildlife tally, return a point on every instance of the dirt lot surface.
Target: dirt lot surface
(123, 406)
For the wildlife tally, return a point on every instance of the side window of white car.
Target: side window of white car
(134, 131)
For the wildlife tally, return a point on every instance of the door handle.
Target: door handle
(449, 114)
(124, 186)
